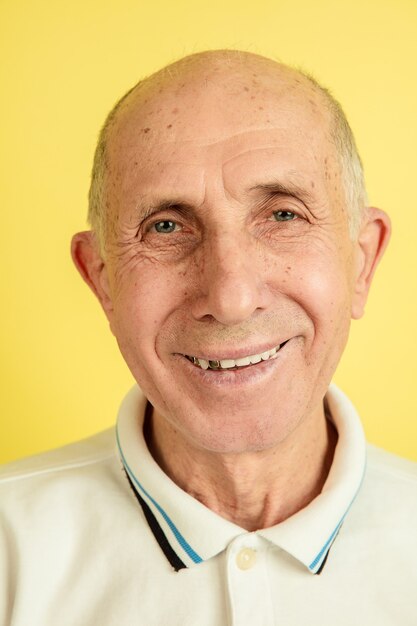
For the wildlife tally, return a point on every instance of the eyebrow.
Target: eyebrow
(284, 189)
(147, 209)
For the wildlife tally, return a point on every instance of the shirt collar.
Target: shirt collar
(194, 533)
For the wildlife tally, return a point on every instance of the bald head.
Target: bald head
(221, 87)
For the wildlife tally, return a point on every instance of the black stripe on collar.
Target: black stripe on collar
(157, 531)
(319, 571)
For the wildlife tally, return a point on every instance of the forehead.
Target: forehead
(246, 121)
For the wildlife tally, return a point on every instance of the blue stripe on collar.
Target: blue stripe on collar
(321, 557)
(196, 558)
(318, 561)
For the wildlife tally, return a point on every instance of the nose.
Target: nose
(231, 282)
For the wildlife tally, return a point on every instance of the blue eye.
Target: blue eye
(284, 216)
(165, 227)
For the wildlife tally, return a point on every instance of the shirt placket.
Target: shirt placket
(247, 581)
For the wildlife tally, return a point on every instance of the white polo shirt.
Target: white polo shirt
(95, 534)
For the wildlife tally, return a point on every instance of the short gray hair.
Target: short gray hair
(97, 204)
(341, 134)
(351, 166)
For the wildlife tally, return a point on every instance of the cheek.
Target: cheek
(319, 283)
(320, 286)
(144, 301)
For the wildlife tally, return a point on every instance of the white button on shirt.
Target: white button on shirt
(249, 595)
(246, 558)
(81, 546)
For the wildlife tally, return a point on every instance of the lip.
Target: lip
(235, 378)
(235, 353)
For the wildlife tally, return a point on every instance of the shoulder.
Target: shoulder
(84, 452)
(388, 496)
(59, 479)
(391, 469)
(67, 511)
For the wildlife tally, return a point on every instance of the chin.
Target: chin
(238, 431)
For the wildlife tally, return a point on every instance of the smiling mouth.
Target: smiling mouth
(235, 364)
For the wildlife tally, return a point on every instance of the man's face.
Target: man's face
(231, 240)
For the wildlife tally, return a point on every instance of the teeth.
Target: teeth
(243, 361)
(226, 364)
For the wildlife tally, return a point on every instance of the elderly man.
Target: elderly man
(230, 247)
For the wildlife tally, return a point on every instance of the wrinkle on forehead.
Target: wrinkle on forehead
(211, 131)
(267, 139)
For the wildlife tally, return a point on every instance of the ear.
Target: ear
(89, 262)
(372, 241)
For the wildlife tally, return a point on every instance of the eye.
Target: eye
(165, 227)
(284, 216)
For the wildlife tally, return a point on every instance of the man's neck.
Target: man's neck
(254, 489)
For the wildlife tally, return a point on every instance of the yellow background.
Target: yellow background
(63, 65)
